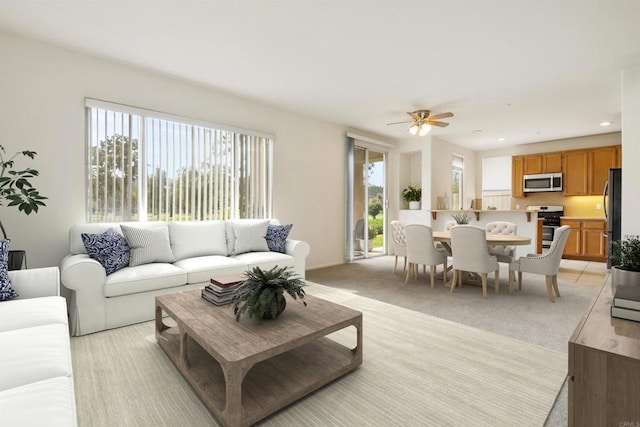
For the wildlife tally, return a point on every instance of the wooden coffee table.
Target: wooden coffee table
(247, 370)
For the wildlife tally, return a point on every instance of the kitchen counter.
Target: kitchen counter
(479, 212)
(583, 218)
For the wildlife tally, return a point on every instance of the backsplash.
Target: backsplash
(576, 206)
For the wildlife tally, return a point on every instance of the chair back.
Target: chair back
(448, 225)
(504, 228)
(399, 238)
(556, 249)
(420, 245)
(469, 249)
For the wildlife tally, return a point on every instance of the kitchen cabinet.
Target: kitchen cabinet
(517, 174)
(542, 163)
(586, 239)
(586, 171)
(604, 368)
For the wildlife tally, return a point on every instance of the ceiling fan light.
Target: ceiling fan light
(413, 130)
(424, 129)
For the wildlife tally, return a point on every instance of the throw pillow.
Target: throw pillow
(148, 244)
(6, 290)
(250, 237)
(277, 237)
(110, 249)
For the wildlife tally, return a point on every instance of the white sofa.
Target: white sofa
(36, 377)
(202, 250)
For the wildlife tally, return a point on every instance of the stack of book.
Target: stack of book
(626, 303)
(222, 289)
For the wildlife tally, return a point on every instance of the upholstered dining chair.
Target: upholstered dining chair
(399, 243)
(421, 250)
(502, 253)
(547, 263)
(470, 253)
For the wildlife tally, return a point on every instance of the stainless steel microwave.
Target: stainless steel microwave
(542, 182)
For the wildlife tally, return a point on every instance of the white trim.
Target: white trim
(106, 105)
(370, 140)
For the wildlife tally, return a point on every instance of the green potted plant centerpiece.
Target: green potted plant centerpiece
(463, 217)
(625, 262)
(262, 293)
(412, 195)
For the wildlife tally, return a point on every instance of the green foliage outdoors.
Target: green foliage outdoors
(375, 206)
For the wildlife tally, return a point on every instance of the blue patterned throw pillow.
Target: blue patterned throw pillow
(110, 249)
(277, 237)
(6, 290)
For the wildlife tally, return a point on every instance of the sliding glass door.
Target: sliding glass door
(367, 203)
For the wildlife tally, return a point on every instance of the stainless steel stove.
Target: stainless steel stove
(550, 221)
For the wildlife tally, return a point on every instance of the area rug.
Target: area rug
(417, 370)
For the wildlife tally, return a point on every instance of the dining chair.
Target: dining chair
(547, 263)
(399, 243)
(421, 250)
(502, 253)
(470, 253)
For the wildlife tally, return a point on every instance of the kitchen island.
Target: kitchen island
(527, 222)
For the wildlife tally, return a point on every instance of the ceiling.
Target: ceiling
(521, 70)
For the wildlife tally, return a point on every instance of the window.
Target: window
(457, 182)
(148, 166)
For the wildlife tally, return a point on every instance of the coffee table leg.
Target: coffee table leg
(357, 352)
(234, 374)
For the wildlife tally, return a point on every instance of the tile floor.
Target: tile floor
(583, 273)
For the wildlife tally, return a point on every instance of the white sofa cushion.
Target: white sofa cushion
(50, 403)
(148, 244)
(247, 235)
(194, 239)
(34, 354)
(265, 260)
(28, 313)
(142, 278)
(202, 269)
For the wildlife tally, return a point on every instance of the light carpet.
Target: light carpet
(417, 370)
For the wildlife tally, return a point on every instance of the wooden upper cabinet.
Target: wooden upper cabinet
(517, 174)
(551, 162)
(575, 167)
(533, 164)
(600, 161)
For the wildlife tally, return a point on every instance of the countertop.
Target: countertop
(584, 218)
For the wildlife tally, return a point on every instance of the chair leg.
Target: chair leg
(550, 288)
(454, 278)
(512, 275)
(444, 272)
(555, 285)
(433, 276)
(519, 280)
(496, 284)
(484, 284)
(406, 279)
(395, 263)
(405, 263)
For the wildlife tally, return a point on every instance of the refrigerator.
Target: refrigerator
(612, 196)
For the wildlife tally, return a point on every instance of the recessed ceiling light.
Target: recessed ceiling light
(501, 139)
(605, 123)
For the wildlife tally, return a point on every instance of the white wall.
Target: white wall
(630, 150)
(442, 153)
(42, 91)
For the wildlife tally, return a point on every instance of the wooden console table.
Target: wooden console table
(604, 368)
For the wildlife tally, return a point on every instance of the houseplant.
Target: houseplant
(262, 293)
(625, 261)
(463, 217)
(15, 185)
(412, 195)
(371, 234)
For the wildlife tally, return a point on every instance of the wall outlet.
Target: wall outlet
(598, 206)
(517, 205)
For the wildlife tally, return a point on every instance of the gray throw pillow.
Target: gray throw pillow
(148, 244)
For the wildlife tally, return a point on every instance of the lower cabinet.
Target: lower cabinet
(586, 240)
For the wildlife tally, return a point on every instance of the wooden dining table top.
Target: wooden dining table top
(492, 239)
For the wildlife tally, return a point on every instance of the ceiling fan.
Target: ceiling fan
(423, 120)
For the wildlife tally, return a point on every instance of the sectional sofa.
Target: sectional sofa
(163, 257)
(36, 381)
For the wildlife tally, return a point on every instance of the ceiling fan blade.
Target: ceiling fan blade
(397, 123)
(414, 114)
(440, 116)
(439, 124)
